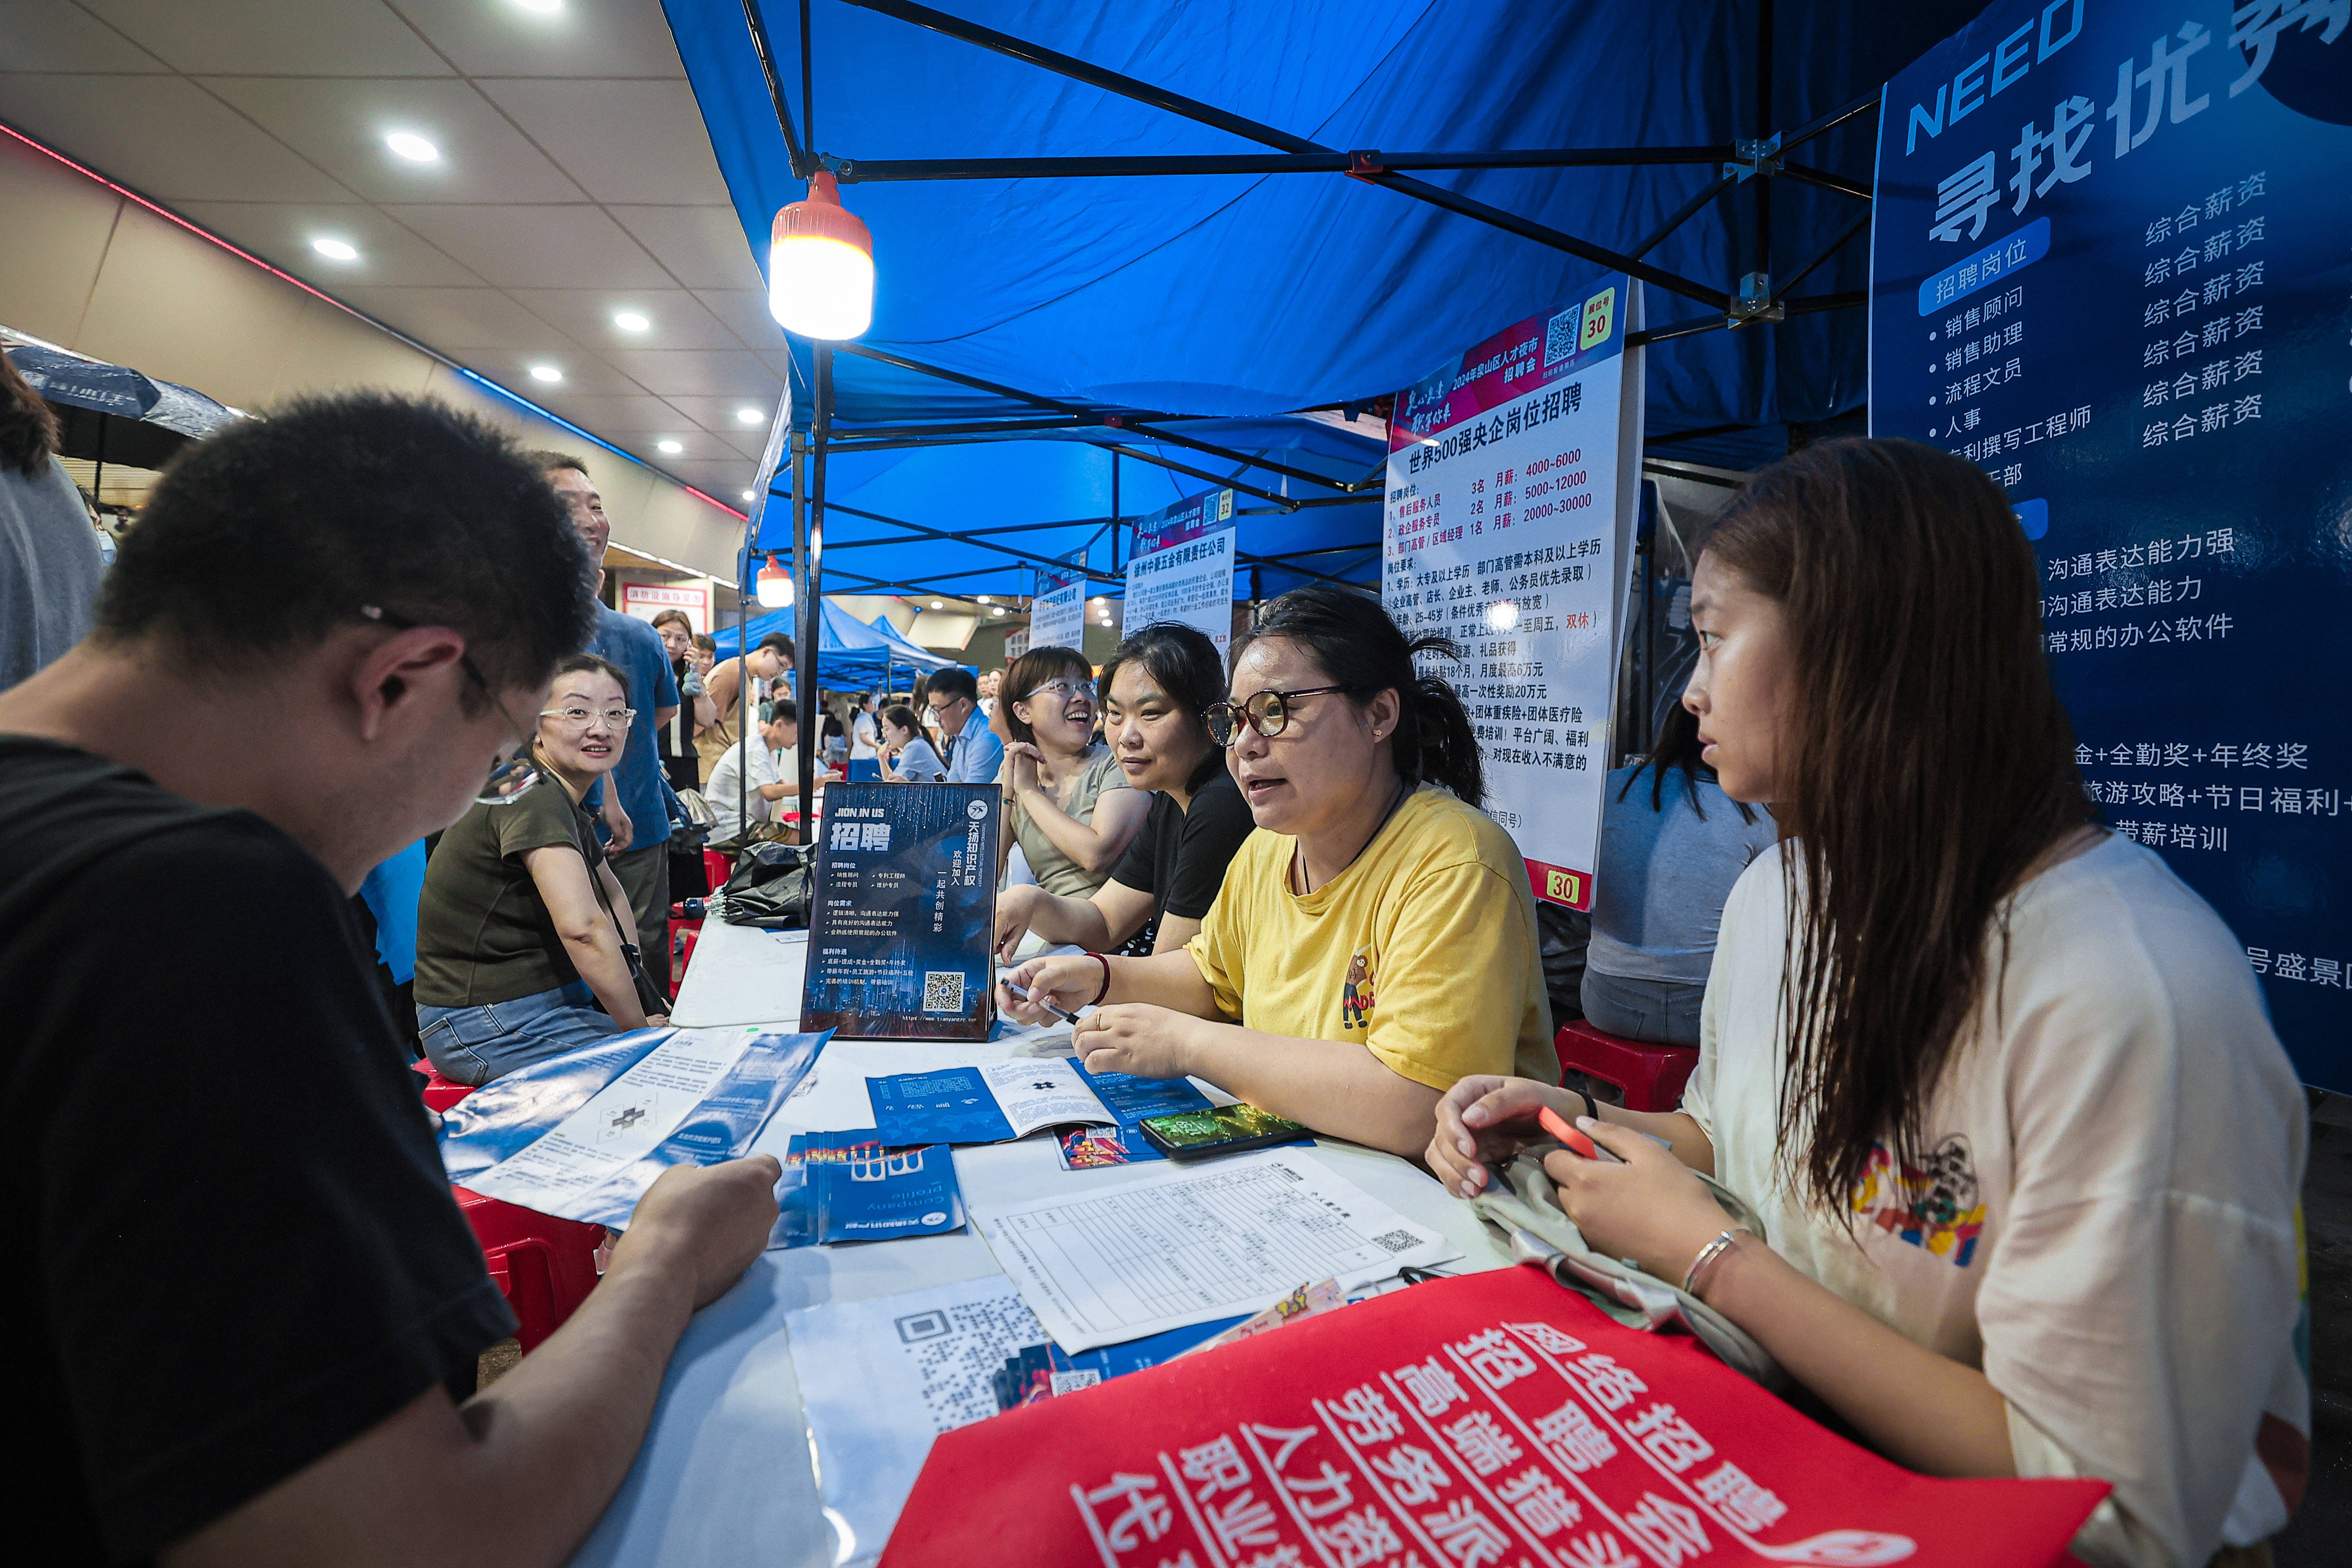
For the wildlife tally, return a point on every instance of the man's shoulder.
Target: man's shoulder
(626, 634)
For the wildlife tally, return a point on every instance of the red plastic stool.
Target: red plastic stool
(545, 1267)
(717, 868)
(1651, 1076)
(683, 934)
(440, 1094)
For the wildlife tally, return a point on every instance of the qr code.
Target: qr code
(1399, 1240)
(1559, 336)
(943, 991)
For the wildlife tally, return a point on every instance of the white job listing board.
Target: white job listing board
(1507, 526)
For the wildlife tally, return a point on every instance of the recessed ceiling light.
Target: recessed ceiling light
(544, 7)
(545, 372)
(750, 416)
(413, 147)
(749, 495)
(937, 605)
(631, 321)
(996, 609)
(983, 598)
(335, 249)
(669, 449)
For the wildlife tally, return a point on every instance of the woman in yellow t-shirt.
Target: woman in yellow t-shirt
(1374, 942)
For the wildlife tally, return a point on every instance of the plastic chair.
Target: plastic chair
(544, 1267)
(1650, 1077)
(717, 868)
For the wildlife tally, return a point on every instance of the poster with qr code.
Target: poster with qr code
(1506, 528)
(906, 904)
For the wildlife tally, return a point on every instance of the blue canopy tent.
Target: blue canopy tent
(1161, 228)
(850, 653)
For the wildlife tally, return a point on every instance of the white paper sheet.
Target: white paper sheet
(1046, 1092)
(1186, 1246)
(625, 1120)
(879, 1379)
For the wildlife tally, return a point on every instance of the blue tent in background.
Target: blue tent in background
(851, 655)
(1061, 299)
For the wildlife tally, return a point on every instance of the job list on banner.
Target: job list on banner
(2110, 267)
(1183, 567)
(1509, 504)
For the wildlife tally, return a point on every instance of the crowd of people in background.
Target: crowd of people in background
(2002, 1089)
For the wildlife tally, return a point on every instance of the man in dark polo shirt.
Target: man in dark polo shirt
(246, 1314)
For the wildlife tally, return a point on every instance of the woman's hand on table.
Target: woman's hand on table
(1070, 982)
(1645, 1205)
(1485, 1120)
(1015, 907)
(1139, 1038)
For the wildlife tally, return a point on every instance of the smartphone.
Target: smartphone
(1219, 1129)
(1565, 1131)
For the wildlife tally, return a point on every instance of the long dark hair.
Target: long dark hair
(1928, 764)
(29, 425)
(1360, 650)
(1678, 747)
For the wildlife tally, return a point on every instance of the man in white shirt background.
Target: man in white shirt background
(754, 774)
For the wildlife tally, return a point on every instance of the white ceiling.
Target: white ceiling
(575, 180)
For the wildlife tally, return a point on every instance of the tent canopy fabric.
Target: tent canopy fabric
(1239, 296)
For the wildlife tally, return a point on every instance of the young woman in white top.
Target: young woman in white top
(865, 735)
(2029, 1154)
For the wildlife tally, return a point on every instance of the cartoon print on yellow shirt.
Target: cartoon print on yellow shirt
(1356, 1001)
(1934, 1204)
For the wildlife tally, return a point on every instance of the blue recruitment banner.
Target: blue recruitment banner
(905, 911)
(2109, 265)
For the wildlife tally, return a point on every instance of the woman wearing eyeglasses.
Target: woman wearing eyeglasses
(1067, 803)
(519, 931)
(1377, 933)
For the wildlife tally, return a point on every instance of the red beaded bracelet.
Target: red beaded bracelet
(1099, 958)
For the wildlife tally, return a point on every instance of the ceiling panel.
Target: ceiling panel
(538, 247)
(340, 125)
(583, 373)
(602, 412)
(703, 247)
(453, 319)
(718, 413)
(282, 233)
(669, 373)
(43, 35)
(315, 37)
(745, 310)
(680, 319)
(623, 140)
(163, 135)
(585, 39)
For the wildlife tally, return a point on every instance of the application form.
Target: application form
(1185, 1245)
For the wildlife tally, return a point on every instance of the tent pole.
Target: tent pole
(873, 171)
(812, 630)
(802, 167)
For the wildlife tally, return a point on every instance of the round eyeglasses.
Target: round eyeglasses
(581, 717)
(1267, 713)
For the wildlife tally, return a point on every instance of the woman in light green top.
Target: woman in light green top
(1066, 802)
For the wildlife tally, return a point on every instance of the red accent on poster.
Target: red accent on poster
(1490, 1421)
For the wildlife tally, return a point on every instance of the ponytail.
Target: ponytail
(1361, 651)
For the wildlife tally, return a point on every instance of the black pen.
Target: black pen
(1062, 1012)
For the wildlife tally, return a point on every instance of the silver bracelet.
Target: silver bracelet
(1709, 1254)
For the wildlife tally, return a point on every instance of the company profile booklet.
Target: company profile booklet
(994, 1103)
(902, 924)
(848, 1186)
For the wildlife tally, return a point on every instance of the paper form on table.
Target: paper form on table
(1184, 1245)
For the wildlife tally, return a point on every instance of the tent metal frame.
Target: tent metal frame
(1758, 298)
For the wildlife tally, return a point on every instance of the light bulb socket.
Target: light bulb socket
(821, 215)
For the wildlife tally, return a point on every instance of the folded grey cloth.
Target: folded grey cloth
(1524, 1206)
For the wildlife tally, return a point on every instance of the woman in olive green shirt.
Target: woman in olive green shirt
(519, 929)
(1068, 802)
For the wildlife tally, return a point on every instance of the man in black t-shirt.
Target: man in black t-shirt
(247, 1312)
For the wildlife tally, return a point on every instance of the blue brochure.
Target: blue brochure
(506, 1117)
(993, 1103)
(846, 1187)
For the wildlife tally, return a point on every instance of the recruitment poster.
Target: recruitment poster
(1057, 615)
(2112, 265)
(1506, 527)
(1182, 569)
(904, 910)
